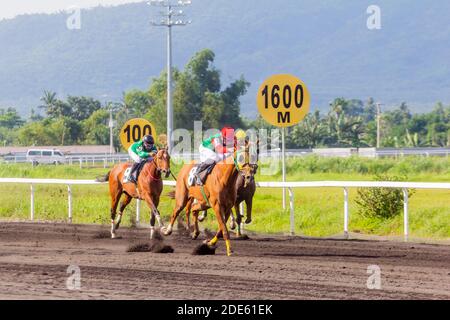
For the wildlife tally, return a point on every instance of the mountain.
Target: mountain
(324, 42)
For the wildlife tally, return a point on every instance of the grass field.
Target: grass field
(318, 212)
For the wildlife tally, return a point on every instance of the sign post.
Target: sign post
(134, 130)
(283, 163)
(283, 101)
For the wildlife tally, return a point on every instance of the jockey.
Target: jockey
(139, 151)
(219, 146)
(216, 148)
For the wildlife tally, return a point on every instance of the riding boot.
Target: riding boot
(132, 177)
(202, 167)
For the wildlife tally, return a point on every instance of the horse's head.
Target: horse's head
(247, 165)
(162, 161)
(248, 172)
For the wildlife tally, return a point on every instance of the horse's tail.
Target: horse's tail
(171, 194)
(104, 178)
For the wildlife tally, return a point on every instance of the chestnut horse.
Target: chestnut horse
(218, 193)
(149, 187)
(245, 190)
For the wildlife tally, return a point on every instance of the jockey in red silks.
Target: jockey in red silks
(217, 148)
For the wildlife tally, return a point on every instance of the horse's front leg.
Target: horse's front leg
(152, 224)
(238, 219)
(249, 204)
(181, 203)
(222, 217)
(154, 216)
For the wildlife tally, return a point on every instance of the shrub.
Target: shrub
(381, 203)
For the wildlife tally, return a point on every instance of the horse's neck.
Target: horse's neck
(230, 172)
(150, 168)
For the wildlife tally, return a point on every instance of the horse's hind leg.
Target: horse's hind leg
(196, 232)
(188, 213)
(125, 202)
(233, 220)
(115, 197)
(203, 215)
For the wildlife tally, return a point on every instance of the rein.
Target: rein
(157, 169)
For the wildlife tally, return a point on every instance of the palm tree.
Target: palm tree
(49, 100)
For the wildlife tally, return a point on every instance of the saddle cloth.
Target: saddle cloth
(200, 171)
(126, 176)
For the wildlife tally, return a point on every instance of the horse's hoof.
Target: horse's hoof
(113, 236)
(230, 253)
(165, 231)
(232, 225)
(201, 218)
(195, 235)
(248, 221)
(207, 242)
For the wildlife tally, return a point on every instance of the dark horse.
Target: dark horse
(149, 187)
(245, 190)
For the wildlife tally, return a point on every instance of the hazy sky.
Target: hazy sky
(12, 8)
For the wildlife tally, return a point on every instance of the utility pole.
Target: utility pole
(378, 125)
(111, 126)
(171, 17)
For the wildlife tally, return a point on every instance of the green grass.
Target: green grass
(318, 211)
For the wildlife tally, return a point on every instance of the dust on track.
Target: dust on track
(34, 259)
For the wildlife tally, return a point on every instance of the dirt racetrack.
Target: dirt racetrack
(34, 259)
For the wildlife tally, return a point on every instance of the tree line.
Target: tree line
(200, 95)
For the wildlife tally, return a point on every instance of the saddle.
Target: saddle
(199, 173)
(140, 166)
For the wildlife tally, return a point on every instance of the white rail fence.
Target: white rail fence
(105, 159)
(345, 185)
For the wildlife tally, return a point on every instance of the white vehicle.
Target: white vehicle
(45, 156)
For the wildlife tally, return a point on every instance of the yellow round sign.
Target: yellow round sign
(283, 100)
(134, 130)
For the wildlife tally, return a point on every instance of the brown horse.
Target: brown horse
(149, 187)
(245, 190)
(220, 193)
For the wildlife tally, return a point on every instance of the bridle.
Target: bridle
(240, 168)
(158, 169)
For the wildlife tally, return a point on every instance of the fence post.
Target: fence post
(405, 213)
(104, 163)
(81, 163)
(291, 205)
(32, 203)
(346, 213)
(138, 212)
(69, 192)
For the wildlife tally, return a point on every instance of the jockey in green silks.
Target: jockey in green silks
(141, 151)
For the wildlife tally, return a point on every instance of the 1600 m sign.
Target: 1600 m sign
(283, 100)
